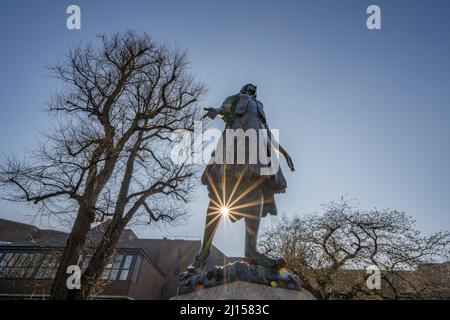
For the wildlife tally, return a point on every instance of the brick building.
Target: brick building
(142, 269)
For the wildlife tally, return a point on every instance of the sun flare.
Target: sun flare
(228, 203)
(224, 211)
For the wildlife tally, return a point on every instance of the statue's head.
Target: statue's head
(249, 89)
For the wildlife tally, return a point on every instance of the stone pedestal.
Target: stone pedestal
(242, 281)
(240, 290)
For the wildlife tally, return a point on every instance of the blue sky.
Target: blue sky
(363, 113)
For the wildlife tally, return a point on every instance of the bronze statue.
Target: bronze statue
(238, 188)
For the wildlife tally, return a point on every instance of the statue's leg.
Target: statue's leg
(252, 222)
(212, 223)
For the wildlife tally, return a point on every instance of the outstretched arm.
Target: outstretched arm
(281, 150)
(224, 110)
(212, 113)
(288, 158)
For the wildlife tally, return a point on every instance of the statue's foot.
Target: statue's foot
(192, 270)
(263, 260)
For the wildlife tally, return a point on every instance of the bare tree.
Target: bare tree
(331, 251)
(108, 155)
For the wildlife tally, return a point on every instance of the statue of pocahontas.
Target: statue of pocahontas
(238, 185)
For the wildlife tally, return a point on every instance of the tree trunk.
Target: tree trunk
(74, 246)
(99, 260)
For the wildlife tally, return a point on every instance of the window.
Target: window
(126, 268)
(137, 268)
(50, 271)
(115, 267)
(107, 271)
(43, 267)
(14, 265)
(4, 262)
(28, 265)
(119, 268)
